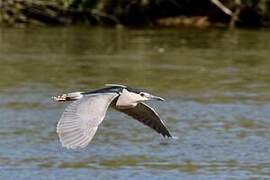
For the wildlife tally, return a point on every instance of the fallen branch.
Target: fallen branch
(234, 15)
(104, 15)
(222, 7)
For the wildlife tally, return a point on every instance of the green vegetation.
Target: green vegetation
(252, 13)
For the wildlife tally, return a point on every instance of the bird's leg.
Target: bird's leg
(60, 98)
(68, 97)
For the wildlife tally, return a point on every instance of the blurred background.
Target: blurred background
(208, 59)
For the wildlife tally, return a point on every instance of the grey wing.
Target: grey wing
(147, 116)
(79, 122)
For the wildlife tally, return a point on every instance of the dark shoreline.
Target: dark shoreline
(169, 13)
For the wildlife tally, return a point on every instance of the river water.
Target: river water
(216, 83)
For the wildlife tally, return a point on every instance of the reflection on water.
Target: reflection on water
(216, 84)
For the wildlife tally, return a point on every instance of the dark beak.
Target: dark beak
(156, 98)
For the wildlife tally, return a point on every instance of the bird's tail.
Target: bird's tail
(68, 97)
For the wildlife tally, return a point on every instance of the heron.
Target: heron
(81, 118)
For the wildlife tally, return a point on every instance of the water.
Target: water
(216, 83)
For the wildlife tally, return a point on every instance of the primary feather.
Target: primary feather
(147, 116)
(80, 120)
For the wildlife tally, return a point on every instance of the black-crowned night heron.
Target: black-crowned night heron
(80, 120)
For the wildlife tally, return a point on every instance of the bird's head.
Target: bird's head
(144, 96)
(140, 95)
(130, 97)
(135, 94)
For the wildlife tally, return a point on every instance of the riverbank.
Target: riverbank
(204, 13)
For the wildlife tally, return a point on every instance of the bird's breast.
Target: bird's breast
(126, 100)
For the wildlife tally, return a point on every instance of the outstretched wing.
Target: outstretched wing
(79, 122)
(147, 116)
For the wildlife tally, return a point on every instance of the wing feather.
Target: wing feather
(80, 120)
(147, 116)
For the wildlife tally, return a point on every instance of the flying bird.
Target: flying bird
(80, 120)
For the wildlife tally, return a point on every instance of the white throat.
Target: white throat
(128, 100)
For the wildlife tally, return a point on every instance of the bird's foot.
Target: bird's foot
(61, 98)
(68, 97)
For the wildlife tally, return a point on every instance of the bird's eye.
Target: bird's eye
(142, 94)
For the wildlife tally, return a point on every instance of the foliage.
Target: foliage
(133, 12)
(80, 4)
